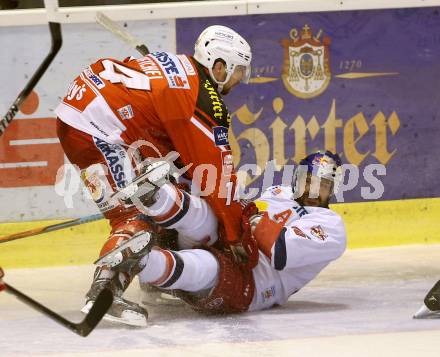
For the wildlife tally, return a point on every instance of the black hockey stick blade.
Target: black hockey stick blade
(96, 313)
(57, 41)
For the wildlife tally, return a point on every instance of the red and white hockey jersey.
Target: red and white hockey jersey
(295, 244)
(168, 101)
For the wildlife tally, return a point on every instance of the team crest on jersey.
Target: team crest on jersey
(126, 112)
(306, 69)
(172, 69)
(220, 135)
(318, 232)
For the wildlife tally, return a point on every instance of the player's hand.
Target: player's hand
(2, 284)
(246, 250)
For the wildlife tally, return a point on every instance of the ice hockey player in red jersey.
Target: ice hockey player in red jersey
(116, 114)
(297, 236)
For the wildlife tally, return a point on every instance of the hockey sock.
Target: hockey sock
(190, 270)
(191, 216)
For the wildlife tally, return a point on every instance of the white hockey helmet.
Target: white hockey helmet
(221, 42)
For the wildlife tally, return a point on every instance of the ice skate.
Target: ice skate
(126, 257)
(115, 269)
(122, 310)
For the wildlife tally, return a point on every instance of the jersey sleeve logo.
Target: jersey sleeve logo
(220, 135)
(268, 293)
(98, 82)
(126, 112)
(79, 95)
(318, 232)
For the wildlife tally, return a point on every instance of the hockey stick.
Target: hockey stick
(120, 32)
(51, 228)
(55, 32)
(97, 312)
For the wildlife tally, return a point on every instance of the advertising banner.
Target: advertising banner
(364, 84)
(30, 152)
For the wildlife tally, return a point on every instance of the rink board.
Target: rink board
(368, 224)
(361, 110)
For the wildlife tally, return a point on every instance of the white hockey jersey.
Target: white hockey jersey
(295, 244)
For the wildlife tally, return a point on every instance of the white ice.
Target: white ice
(362, 305)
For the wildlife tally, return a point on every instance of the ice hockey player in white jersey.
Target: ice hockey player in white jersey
(296, 233)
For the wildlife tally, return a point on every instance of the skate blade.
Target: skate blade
(425, 313)
(130, 318)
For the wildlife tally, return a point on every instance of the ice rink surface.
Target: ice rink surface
(361, 305)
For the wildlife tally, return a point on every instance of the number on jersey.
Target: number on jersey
(283, 216)
(130, 78)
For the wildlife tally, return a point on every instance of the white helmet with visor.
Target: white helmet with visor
(221, 42)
